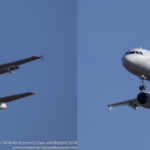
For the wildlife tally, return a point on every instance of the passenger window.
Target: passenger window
(132, 52)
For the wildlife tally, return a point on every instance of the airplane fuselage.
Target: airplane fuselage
(137, 61)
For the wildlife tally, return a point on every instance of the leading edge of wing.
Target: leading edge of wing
(20, 62)
(14, 97)
(122, 103)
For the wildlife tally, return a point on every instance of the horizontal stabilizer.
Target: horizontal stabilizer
(14, 97)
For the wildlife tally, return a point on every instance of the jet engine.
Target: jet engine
(3, 106)
(143, 99)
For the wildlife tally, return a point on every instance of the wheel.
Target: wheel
(140, 87)
(143, 87)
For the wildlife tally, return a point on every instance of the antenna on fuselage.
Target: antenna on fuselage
(140, 47)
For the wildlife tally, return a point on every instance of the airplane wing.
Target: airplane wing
(133, 103)
(14, 97)
(9, 67)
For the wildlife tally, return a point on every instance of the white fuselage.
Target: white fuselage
(137, 61)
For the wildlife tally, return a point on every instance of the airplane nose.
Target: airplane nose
(123, 60)
(127, 61)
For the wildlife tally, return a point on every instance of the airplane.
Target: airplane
(137, 62)
(9, 67)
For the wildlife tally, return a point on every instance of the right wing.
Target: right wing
(9, 67)
(133, 103)
(14, 97)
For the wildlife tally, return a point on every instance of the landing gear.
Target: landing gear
(142, 87)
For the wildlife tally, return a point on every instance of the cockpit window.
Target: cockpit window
(141, 53)
(126, 53)
(132, 52)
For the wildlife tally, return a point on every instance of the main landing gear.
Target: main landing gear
(142, 87)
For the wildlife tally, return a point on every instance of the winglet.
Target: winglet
(109, 106)
(42, 57)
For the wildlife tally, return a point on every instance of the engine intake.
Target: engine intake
(142, 98)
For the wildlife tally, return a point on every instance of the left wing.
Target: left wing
(132, 103)
(9, 70)
(9, 67)
(14, 97)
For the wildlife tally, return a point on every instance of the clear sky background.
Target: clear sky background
(106, 31)
(48, 28)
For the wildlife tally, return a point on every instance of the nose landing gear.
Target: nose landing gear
(142, 87)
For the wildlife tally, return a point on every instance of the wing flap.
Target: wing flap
(11, 68)
(14, 97)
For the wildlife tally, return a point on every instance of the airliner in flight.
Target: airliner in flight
(9, 67)
(137, 62)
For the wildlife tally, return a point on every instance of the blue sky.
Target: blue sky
(48, 28)
(106, 31)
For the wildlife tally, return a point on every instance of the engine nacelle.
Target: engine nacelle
(3, 106)
(143, 99)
